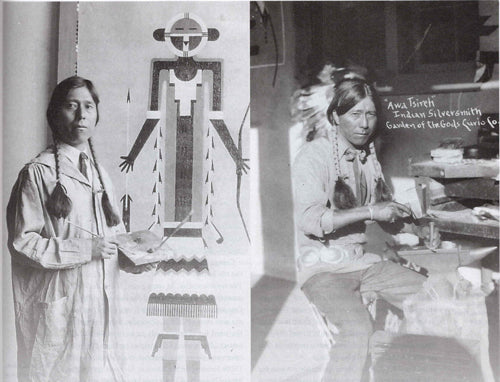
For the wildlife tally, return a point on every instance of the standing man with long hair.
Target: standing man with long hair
(62, 220)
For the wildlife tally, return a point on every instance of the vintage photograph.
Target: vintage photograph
(375, 134)
(269, 191)
(126, 188)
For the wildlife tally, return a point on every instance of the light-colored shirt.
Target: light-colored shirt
(66, 302)
(314, 177)
(73, 154)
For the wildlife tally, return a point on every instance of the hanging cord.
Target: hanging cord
(239, 174)
(77, 35)
(266, 17)
(343, 196)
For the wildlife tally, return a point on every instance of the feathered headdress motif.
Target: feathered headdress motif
(309, 105)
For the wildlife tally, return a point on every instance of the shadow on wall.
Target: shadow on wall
(276, 203)
(271, 116)
(266, 310)
(28, 27)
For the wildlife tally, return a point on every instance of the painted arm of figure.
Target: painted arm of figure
(28, 242)
(217, 119)
(221, 128)
(152, 116)
(152, 119)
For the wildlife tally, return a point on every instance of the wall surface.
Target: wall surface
(116, 49)
(405, 138)
(29, 74)
(270, 123)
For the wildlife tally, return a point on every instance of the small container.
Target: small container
(332, 255)
(309, 258)
(448, 245)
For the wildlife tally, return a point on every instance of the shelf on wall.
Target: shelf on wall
(467, 168)
(461, 222)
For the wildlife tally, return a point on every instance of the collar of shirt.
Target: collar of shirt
(72, 153)
(344, 149)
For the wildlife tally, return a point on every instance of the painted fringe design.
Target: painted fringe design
(112, 218)
(59, 204)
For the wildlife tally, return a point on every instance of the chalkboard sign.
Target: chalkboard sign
(431, 112)
(419, 123)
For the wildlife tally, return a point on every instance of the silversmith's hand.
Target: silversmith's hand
(431, 239)
(390, 211)
(390, 254)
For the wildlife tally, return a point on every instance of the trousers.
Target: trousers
(337, 296)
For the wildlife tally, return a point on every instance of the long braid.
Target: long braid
(112, 218)
(343, 196)
(59, 204)
(382, 191)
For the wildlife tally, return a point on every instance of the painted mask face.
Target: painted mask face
(186, 35)
(358, 124)
(77, 118)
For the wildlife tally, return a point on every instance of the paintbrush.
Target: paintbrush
(150, 250)
(81, 228)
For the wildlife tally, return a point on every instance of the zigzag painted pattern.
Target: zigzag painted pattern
(183, 264)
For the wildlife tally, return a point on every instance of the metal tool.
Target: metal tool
(405, 263)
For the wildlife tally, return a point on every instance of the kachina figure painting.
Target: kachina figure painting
(144, 271)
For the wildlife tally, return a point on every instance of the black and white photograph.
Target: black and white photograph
(126, 189)
(268, 191)
(375, 137)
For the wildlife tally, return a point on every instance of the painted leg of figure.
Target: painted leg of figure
(170, 347)
(193, 353)
(337, 298)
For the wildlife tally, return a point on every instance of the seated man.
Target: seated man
(339, 190)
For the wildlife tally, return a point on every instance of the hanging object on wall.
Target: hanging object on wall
(266, 24)
(77, 35)
(487, 56)
(239, 174)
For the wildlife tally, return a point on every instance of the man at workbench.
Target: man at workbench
(339, 191)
